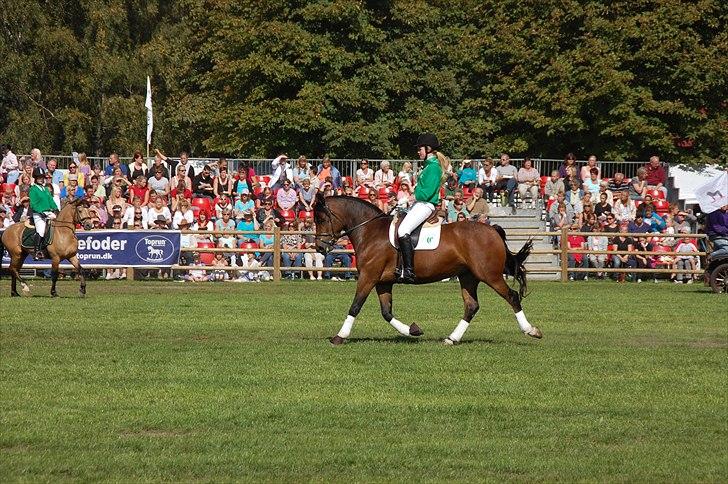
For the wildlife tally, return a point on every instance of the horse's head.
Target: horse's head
(82, 214)
(329, 227)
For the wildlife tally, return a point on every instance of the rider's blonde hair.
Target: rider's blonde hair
(444, 164)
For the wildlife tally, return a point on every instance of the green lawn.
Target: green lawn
(171, 381)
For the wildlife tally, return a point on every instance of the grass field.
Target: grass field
(170, 381)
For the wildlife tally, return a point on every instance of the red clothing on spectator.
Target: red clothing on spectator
(136, 191)
(576, 242)
(655, 175)
(187, 193)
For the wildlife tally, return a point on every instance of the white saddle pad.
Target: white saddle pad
(429, 236)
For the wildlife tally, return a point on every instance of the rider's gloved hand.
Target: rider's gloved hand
(50, 215)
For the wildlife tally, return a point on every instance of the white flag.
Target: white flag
(713, 194)
(148, 105)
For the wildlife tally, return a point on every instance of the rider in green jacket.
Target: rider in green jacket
(42, 206)
(427, 196)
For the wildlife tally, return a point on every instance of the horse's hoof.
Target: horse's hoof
(415, 330)
(54, 294)
(534, 332)
(449, 342)
(337, 340)
(26, 289)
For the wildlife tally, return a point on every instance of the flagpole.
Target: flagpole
(150, 119)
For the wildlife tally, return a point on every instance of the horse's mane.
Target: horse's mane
(361, 207)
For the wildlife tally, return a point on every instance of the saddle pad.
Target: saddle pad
(28, 239)
(428, 236)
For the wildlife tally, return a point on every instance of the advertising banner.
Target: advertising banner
(120, 248)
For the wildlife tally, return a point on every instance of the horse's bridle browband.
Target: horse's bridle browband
(334, 237)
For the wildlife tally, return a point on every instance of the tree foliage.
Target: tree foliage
(353, 78)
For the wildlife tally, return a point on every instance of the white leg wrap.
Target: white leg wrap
(345, 330)
(459, 331)
(523, 322)
(399, 326)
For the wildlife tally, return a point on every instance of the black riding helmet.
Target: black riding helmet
(38, 173)
(428, 139)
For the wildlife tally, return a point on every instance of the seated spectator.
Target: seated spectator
(647, 202)
(287, 197)
(567, 170)
(611, 225)
(311, 259)
(618, 184)
(364, 175)
(313, 176)
(585, 172)
(685, 262)
(574, 196)
(95, 188)
(247, 222)
(655, 175)
(597, 243)
(638, 185)
(73, 171)
(562, 217)
(56, 175)
(137, 167)
(223, 183)
(625, 244)
(183, 212)
(306, 196)
(243, 179)
(180, 192)
(391, 204)
(116, 198)
(97, 209)
(656, 223)
(325, 170)
(117, 179)
(21, 212)
(243, 204)
(159, 163)
(448, 203)
(638, 226)
(593, 183)
(139, 189)
(197, 275)
(553, 186)
(405, 198)
(5, 219)
(457, 207)
(467, 176)
(222, 205)
(203, 224)
(73, 191)
(576, 260)
(202, 185)
(506, 180)
(327, 187)
(624, 208)
(683, 221)
(487, 178)
(267, 212)
(116, 218)
(159, 183)
(343, 258)
(603, 207)
(529, 181)
(406, 174)
(181, 178)
(384, 176)
(373, 198)
(22, 188)
(136, 215)
(554, 209)
(282, 170)
(477, 206)
(221, 262)
(225, 224)
(158, 215)
(301, 172)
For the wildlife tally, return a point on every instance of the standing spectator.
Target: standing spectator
(184, 164)
(567, 170)
(554, 185)
(406, 174)
(311, 259)
(477, 207)
(618, 183)
(591, 164)
(506, 180)
(529, 181)
(301, 171)
(685, 262)
(137, 167)
(9, 168)
(597, 243)
(223, 183)
(487, 178)
(326, 170)
(364, 175)
(202, 185)
(84, 167)
(286, 196)
(384, 177)
(467, 176)
(281, 171)
(655, 175)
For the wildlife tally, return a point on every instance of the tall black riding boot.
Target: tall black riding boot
(408, 253)
(38, 252)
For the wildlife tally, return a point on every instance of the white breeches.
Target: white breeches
(419, 212)
(40, 224)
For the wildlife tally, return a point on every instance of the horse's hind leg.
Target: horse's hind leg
(54, 275)
(77, 265)
(384, 291)
(16, 263)
(499, 285)
(469, 289)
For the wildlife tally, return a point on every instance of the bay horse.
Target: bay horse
(63, 247)
(472, 251)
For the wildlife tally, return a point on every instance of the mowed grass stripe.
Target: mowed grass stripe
(165, 381)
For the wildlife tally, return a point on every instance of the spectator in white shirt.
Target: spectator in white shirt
(384, 177)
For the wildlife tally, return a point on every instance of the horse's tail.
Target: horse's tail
(514, 262)
(2, 253)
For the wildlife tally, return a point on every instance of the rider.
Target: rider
(427, 197)
(42, 206)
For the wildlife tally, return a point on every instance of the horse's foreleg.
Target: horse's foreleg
(499, 285)
(77, 265)
(15, 264)
(55, 262)
(384, 291)
(363, 288)
(469, 289)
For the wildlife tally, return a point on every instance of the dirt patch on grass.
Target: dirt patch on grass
(709, 343)
(14, 449)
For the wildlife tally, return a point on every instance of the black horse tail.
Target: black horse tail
(2, 253)
(514, 262)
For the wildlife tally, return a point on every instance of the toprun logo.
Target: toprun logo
(155, 248)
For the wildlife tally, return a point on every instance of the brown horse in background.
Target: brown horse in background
(63, 247)
(471, 251)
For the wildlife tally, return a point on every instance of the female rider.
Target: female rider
(427, 197)
(43, 207)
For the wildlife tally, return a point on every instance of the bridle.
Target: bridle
(76, 216)
(330, 242)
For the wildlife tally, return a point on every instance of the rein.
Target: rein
(71, 225)
(334, 237)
